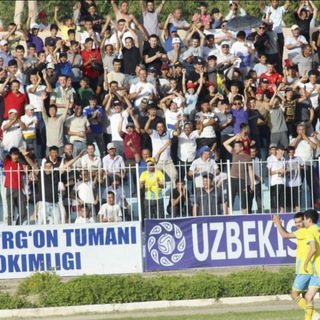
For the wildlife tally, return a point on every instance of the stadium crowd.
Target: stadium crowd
(133, 91)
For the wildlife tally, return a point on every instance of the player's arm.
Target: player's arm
(284, 233)
(312, 251)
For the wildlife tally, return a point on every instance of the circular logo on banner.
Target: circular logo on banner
(166, 244)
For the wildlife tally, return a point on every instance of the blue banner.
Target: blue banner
(219, 241)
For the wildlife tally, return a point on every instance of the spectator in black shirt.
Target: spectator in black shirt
(260, 39)
(154, 55)
(131, 56)
(179, 204)
(96, 19)
(303, 16)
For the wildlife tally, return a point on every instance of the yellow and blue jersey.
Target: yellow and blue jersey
(313, 235)
(302, 252)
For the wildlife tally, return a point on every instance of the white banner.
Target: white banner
(71, 250)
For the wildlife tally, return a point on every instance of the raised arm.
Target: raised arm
(159, 9)
(146, 128)
(71, 162)
(56, 19)
(143, 6)
(114, 7)
(189, 36)
(43, 109)
(227, 144)
(184, 89)
(201, 82)
(161, 150)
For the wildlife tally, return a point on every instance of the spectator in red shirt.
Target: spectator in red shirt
(131, 141)
(91, 63)
(13, 99)
(13, 183)
(272, 76)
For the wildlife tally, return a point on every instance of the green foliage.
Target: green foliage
(257, 283)
(103, 289)
(13, 302)
(188, 8)
(38, 282)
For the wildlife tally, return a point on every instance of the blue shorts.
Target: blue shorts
(314, 282)
(301, 282)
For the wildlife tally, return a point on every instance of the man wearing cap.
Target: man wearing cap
(277, 172)
(152, 181)
(5, 53)
(113, 165)
(31, 122)
(32, 30)
(169, 34)
(164, 80)
(202, 165)
(44, 25)
(12, 131)
(225, 58)
(294, 42)
(175, 54)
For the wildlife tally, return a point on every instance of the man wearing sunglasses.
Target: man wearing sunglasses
(260, 39)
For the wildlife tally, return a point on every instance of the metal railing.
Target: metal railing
(78, 194)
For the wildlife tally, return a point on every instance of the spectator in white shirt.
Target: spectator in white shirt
(294, 42)
(110, 212)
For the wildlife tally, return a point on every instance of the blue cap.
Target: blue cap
(173, 29)
(203, 149)
(152, 69)
(198, 60)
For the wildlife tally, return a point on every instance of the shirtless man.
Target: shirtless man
(123, 13)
